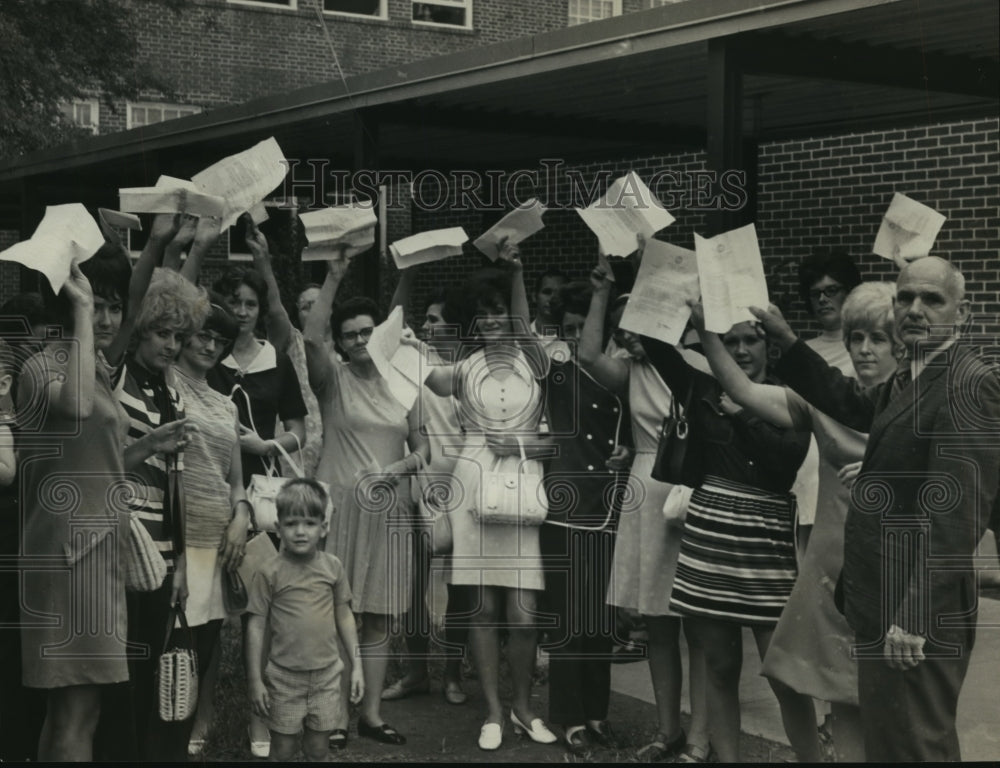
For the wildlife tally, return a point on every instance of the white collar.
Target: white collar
(265, 360)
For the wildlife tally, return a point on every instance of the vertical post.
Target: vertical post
(366, 159)
(724, 123)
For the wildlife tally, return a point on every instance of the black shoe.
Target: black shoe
(662, 748)
(576, 742)
(604, 735)
(338, 739)
(384, 733)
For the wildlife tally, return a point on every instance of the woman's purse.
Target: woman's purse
(145, 568)
(258, 551)
(177, 675)
(263, 490)
(675, 506)
(512, 498)
(678, 458)
(432, 510)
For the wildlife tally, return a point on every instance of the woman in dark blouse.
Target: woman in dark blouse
(737, 560)
(585, 486)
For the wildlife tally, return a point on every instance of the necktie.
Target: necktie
(901, 379)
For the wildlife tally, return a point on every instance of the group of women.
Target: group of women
(158, 379)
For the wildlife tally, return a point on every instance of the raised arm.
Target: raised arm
(765, 401)
(205, 235)
(165, 226)
(181, 242)
(318, 361)
(72, 395)
(801, 368)
(279, 327)
(404, 288)
(519, 310)
(608, 371)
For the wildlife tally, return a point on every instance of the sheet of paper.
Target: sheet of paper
(731, 277)
(326, 230)
(385, 341)
(407, 374)
(170, 199)
(243, 180)
(657, 306)
(628, 207)
(429, 246)
(66, 233)
(518, 225)
(908, 230)
(111, 221)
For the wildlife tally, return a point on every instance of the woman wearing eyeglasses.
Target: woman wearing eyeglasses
(365, 431)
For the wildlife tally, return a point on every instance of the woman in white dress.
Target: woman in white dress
(498, 386)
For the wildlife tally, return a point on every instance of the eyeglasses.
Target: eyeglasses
(352, 336)
(205, 338)
(830, 291)
(305, 306)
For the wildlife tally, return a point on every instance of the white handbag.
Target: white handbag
(263, 490)
(512, 497)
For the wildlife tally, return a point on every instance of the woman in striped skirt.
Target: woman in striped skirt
(737, 556)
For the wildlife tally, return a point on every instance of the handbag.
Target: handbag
(512, 498)
(675, 506)
(432, 511)
(177, 675)
(145, 568)
(258, 551)
(263, 490)
(678, 458)
(234, 592)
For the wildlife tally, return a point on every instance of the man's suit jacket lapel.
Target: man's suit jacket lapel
(901, 405)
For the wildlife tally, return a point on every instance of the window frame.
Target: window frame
(383, 14)
(95, 110)
(465, 5)
(161, 105)
(616, 10)
(291, 5)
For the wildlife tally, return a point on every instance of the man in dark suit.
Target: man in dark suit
(918, 509)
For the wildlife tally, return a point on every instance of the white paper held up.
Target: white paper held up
(400, 365)
(170, 195)
(518, 225)
(66, 234)
(627, 208)
(424, 247)
(908, 230)
(330, 228)
(731, 277)
(243, 180)
(657, 306)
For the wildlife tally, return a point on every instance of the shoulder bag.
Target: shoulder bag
(512, 497)
(678, 457)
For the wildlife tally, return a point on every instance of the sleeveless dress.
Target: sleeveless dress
(483, 553)
(646, 548)
(365, 428)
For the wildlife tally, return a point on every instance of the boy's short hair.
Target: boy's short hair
(302, 495)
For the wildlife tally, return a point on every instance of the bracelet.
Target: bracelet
(243, 501)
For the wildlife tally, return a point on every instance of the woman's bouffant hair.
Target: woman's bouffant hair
(348, 310)
(109, 272)
(234, 277)
(574, 298)
(171, 302)
(485, 287)
(825, 263)
(221, 320)
(869, 307)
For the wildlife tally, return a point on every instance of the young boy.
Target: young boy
(303, 597)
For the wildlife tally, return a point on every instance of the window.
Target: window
(373, 9)
(84, 113)
(582, 11)
(290, 4)
(149, 114)
(448, 13)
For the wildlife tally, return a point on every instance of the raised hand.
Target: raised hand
(509, 252)
(697, 314)
(77, 288)
(775, 325)
(256, 241)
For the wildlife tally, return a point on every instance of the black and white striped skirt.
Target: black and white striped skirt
(737, 554)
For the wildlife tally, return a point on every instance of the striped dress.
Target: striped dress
(737, 552)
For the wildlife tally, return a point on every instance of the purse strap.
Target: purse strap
(175, 612)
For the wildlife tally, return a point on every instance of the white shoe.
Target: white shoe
(490, 736)
(259, 748)
(196, 747)
(538, 732)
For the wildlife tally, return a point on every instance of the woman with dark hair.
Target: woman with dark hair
(498, 387)
(259, 378)
(825, 279)
(365, 430)
(76, 517)
(587, 422)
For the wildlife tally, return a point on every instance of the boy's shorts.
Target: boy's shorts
(311, 698)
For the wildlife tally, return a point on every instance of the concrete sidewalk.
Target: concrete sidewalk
(978, 709)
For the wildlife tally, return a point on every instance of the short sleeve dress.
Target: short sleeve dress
(488, 554)
(75, 494)
(365, 428)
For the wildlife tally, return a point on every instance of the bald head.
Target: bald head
(930, 302)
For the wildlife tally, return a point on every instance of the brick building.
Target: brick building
(827, 106)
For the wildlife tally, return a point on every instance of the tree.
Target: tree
(54, 51)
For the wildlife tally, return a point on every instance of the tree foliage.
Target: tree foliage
(54, 51)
